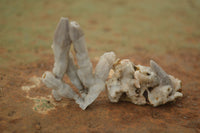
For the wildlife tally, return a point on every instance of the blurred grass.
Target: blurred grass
(131, 26)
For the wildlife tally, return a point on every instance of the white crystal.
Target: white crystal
(142, 85)
(128, 82)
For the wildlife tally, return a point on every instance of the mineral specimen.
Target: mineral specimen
(135, 83)
(142, 85)
(89, 85)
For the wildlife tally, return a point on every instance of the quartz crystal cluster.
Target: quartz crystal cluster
(129, 82)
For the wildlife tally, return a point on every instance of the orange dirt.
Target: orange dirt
(17, 114)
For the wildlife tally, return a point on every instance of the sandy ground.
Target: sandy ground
(35, 111)
(166, 31)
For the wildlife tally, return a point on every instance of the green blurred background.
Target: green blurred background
(124, 26)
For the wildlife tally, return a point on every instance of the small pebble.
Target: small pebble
(37, 126)
(11, 113)
(179, 105)
(194, 104)
(155, 115)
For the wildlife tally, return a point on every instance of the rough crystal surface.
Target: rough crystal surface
(142, 85)
(129, 82)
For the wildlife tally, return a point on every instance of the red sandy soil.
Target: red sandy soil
(181, 116)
